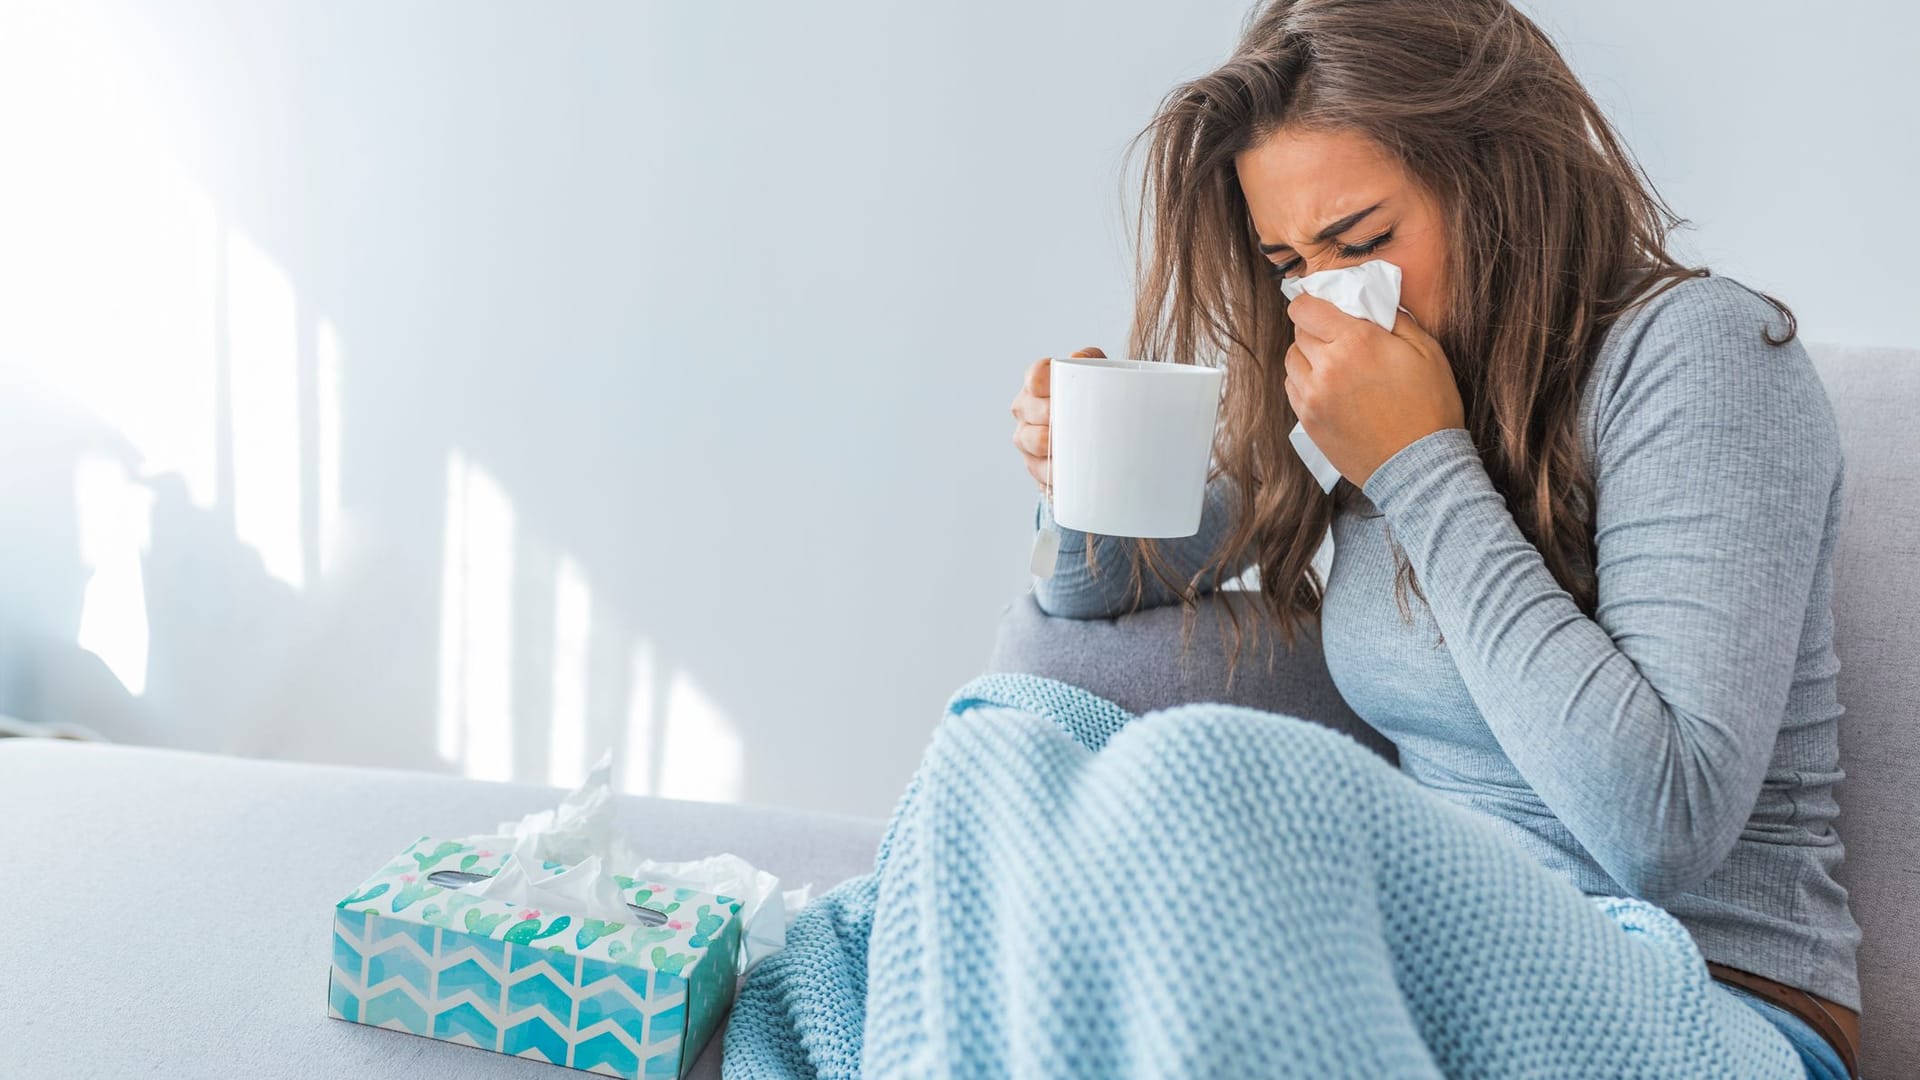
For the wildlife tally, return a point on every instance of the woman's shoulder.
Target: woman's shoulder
(1711, 346)
(1722, 312)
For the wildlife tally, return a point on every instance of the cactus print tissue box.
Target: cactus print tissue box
(635, 999)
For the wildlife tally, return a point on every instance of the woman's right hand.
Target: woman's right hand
(1032, 419)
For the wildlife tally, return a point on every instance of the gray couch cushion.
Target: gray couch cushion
(170, 912)
(1876, 394)
(1876, 606)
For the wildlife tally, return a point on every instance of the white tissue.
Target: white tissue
(1370, 290)
(580, 835)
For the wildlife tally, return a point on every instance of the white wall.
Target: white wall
(707, 316)
(1788, 134)
(509, 380)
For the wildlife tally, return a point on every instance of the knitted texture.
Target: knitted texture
(1067, 890)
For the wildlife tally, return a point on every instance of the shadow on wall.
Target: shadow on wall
(183, 563)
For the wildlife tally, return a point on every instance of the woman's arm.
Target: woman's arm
(1646, 729)
(1074, 593)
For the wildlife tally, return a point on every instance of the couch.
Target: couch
(170, 914)
(1133, 660)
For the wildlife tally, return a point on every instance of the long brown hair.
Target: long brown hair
(1553, 231)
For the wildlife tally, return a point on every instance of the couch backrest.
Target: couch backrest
(1876, 395)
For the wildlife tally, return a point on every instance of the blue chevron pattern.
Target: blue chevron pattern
(526, 1000)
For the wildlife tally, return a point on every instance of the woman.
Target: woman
(1582, 545)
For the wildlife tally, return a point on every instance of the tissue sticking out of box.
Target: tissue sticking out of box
(1370, 290)
(579, 835)
(568, 858)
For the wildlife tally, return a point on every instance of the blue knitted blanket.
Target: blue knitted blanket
(1067, 890)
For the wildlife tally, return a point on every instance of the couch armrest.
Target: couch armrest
(1134, 661)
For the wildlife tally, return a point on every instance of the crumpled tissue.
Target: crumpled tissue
(580, 835)
(1370, 290)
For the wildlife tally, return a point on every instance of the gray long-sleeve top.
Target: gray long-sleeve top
(1681, 744)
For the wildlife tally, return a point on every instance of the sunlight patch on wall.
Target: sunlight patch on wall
(263, 349)
(475, 728)
(572, 625)
(637, 767)
(114, 516)
(108, 266)
(326, 413)
(701, 755)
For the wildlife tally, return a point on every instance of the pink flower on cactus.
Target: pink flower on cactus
(676, 924)
(530, 913)
(406, 877)
(656, 887)
(484, 854)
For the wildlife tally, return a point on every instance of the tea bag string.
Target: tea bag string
(1049, 483)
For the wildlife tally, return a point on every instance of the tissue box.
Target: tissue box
(624, 999)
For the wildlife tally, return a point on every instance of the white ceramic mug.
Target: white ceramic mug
(1130, 444)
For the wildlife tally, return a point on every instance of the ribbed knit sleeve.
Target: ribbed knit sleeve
(1073, 592)
(1647, 728)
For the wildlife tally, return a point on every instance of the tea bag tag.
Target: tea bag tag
(1046, 550)
(1046, 545)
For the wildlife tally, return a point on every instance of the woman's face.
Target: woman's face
(1322, 200)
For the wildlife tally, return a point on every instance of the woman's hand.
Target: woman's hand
(1365, 394)
(1033, 420)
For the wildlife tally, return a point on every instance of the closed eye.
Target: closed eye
(1345, 251)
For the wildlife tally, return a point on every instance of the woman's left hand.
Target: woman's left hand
(1365, 394)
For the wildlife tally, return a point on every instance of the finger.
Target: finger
(1408, 328)
(1299, 368)
(1040, 377)
(1319, 321)
(1031, 410)
(1090, 351)
(1031, 439)
(1041, 471)
(1308, 314)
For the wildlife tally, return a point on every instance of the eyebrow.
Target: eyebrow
(1330, 231)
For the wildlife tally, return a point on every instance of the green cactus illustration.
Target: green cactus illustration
(467, 861)
(412, 891)
(705, 928)
(446, 848)
(592, 930)
(624, 881)
(527, 931)
(435, 915)
(641, 938)
(682, 894)
(671, 964)
(368, 895)
(483, 925)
